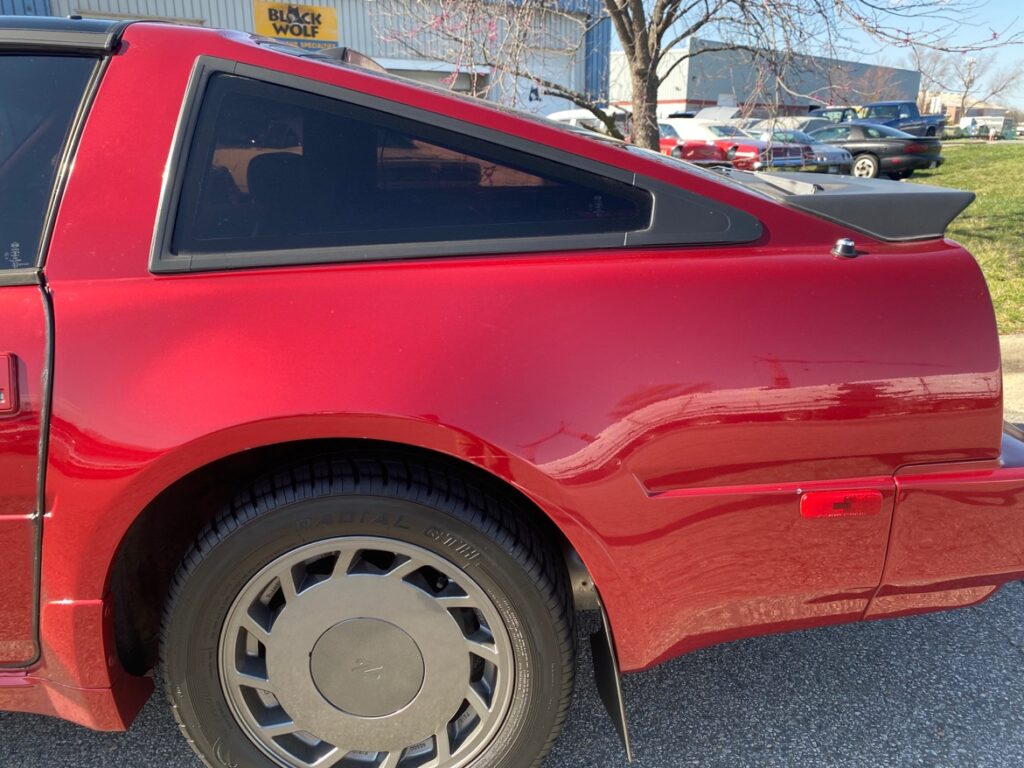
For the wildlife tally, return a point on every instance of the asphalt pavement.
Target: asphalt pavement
(946, 689)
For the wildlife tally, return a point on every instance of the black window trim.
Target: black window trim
(667, 200)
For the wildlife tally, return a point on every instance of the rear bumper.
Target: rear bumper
(911, 162)
(957, 533)
(101, 709)
(841, 168)
(79, 677)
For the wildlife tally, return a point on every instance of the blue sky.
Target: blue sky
(1004, 17)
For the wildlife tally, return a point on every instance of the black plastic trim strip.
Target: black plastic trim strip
(45, 411)
(671, 204)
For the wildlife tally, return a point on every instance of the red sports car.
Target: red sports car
(699, 152)
(339, 397)
(741, 149)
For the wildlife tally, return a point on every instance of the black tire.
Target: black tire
(483, 540)
(865, 166)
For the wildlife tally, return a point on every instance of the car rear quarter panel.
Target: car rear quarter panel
(663, 406)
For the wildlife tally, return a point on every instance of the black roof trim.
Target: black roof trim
(65, 34)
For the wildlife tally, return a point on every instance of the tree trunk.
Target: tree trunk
(644, 130)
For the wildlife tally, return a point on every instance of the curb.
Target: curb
(1012, 347)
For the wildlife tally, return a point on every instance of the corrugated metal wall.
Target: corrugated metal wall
(353, 21)
(598, 50)
(25, 7)
(395, 30)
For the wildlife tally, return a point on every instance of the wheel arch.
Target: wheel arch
(156, 538)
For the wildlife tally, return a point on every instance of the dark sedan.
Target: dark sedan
(879, 149)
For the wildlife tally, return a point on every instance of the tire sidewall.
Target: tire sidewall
(193, 648)
(869, 158)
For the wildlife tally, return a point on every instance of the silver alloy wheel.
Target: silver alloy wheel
(365, 652)
(865, 167)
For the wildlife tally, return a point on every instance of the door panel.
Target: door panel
(22, 334)
(40, 96)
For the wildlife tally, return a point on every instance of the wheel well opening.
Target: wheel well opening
(159, 538)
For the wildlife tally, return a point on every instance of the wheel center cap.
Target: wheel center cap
(367, 667)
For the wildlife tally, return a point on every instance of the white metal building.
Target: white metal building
(571, 45)
(731, 78)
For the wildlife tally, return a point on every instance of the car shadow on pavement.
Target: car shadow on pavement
(939, 690)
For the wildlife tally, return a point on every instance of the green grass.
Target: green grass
(992, 228)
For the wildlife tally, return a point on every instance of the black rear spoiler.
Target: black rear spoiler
(885, 210)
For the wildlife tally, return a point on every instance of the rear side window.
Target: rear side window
(276, 168)
(839, 133)
(39, 98)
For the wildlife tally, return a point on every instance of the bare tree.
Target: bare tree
(977, 80)
(778, 36)
(935, 67)
(500, 45)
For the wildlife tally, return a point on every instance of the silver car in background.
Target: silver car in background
(818, 157)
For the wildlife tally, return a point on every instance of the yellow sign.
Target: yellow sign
(308, 26)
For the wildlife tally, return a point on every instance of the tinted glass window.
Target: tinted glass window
(277, 168)
(839, 133)
(727, 130)
(39, 96)
(883, 112)
(885, 132)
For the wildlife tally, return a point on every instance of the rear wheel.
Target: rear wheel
(369, 613)
(865, 166)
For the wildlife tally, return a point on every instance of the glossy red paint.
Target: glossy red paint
(666, 407)
(957, 536)
(696, 152)
(24, 340)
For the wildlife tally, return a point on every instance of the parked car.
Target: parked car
(879, 149)
(705, 153)
(903, 116)
(584, 118)
(742, 150)
(989, 127)
(836, 114)
(339, 397)
(818, 156)
(805, 123)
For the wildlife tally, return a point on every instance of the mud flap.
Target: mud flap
(609, 679)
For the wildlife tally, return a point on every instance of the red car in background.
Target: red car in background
(705, 153)
(741, 150)
(338, 398)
